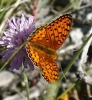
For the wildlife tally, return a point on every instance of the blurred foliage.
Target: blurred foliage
(9, 8)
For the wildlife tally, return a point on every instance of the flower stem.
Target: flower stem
(26, 83)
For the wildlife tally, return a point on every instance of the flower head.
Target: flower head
(18, 32)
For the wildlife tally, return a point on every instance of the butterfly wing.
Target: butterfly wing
(48, 38)
(53, 35)
(45, 62)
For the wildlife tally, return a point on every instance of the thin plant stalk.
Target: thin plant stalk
(26, 83)
(54, 87)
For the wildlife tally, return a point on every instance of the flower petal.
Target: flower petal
(10, 24)
(17, 32)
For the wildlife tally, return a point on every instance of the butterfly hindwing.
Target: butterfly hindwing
(45, 62)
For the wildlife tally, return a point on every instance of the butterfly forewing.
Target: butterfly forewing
(53, 35)
(41, 37)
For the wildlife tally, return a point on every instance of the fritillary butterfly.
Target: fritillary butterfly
(43, 43)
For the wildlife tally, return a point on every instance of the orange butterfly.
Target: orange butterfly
(43, 43)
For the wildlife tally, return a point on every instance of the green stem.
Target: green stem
(54, 87)
(75, 56)
(73, 85)
(69, 66)
(26, 83)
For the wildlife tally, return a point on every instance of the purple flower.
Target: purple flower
(18, 32)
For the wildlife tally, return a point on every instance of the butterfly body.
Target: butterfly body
(42, 48)
(43, 43)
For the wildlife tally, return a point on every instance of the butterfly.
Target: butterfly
(43, 43)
